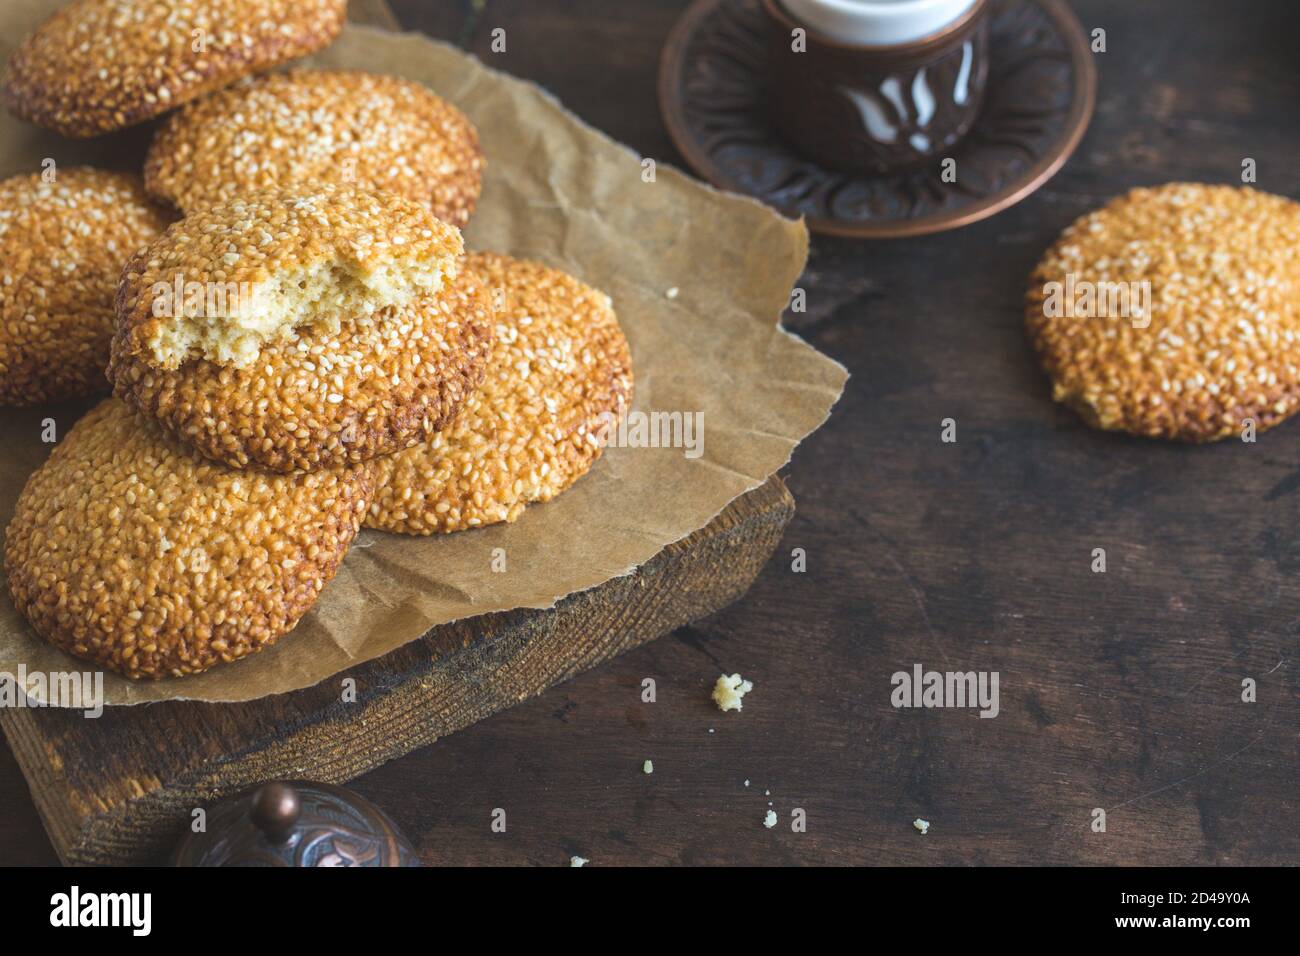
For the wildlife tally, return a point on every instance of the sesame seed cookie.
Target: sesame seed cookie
(97, 66)
(227, 280)
(559, 376)
(130, 551)
(62, 248)
(1173, 312)
(375, 132)
(379, 384)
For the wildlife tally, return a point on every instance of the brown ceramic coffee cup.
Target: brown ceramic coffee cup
(875, 109)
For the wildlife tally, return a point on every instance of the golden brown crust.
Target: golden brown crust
(378, 385)
(559, 374)
(1223, 267)
(130, 551)
(97, 66)
(375, 132)
(62, 248)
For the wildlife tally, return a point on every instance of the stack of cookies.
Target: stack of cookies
(305, 349)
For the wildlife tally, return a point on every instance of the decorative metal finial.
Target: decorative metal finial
(295, 823)
(275, 811)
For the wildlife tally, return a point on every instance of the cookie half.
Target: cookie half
(62, 248)
(1174, 312)
(559, 376)
(128, 550)
(378, 384)
(371, 131)
(231, 278)
(97, 66)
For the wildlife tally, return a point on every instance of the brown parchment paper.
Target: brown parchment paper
(559, 191)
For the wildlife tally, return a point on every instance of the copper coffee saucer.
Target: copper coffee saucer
(1042, 87)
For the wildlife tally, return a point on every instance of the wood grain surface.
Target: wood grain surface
(1119, 690)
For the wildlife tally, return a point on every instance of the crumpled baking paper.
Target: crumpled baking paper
(561, 192)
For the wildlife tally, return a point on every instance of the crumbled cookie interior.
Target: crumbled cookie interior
(230, 325)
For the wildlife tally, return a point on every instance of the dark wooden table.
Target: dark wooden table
(1119, 690)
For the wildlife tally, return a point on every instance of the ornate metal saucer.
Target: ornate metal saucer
(296, 824)
(1042, 87)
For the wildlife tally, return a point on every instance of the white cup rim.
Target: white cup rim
(870, 24)
(875, 8)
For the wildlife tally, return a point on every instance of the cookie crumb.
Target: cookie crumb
(728, 691)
